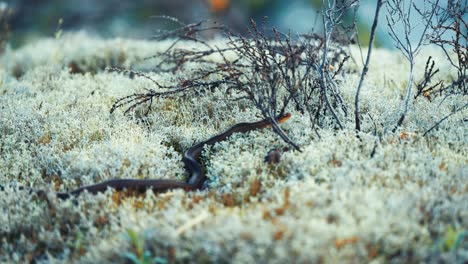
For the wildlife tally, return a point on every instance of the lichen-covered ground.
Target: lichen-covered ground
(332, 203)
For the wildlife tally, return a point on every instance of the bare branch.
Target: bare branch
(445, 118)
(366, 65)
(399, 15)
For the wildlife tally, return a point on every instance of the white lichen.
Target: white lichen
(333, 202)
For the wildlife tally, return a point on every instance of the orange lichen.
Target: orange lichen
(255, 187)
(197, 198)
(266, 214)
(286, 197)
(116, 198)
(427, 95)
(339, 243)
(101, 221)
(138, 204)
(228, 200)
(404, 135)
(408, 135)
(372, 251)
(335, 162)
(281, 210)
(278, 235)
(212, 208)
(453, 190)
(443, 167)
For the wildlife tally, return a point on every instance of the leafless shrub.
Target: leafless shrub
(450, 31)
(410, 41)
(424, 86)
(175, 57)
(444, 26)
(332, 18)
(267, 72)
(272, 70)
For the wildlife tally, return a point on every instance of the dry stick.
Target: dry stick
(407, 48)
(192, 223)
(443, 119)
(408, 94)
(356, 30)
(331, 17)
(322, 76)
(366, 65)
(283, 136)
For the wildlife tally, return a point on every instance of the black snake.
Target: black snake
(190, 159)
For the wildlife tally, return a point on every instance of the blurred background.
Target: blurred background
(22, 21)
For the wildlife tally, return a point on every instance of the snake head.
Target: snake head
(284, 117)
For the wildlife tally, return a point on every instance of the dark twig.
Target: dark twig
(445, 118)
(422, 86)
(366, 64)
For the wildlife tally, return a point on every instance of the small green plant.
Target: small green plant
(77, 245)
(59, 30)
(140, 255)
(452, 239)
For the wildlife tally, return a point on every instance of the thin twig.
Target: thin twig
(445, 118)
(366, 65)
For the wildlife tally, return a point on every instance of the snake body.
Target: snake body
(190, 159)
